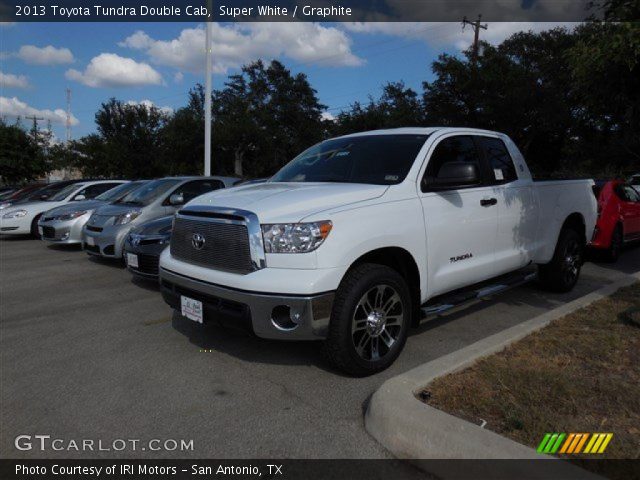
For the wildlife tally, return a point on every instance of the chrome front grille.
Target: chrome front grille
(217, 239)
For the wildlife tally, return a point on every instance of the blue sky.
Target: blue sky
(159, 62)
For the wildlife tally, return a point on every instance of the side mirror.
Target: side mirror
(176, 199)
(77, 198)
(457, 174)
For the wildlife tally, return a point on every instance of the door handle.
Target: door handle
(487, 202)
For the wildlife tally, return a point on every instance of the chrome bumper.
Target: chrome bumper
(273, 316)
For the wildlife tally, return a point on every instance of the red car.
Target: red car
(618, 217)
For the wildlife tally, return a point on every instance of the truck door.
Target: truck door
(517, 209)
(460, 214)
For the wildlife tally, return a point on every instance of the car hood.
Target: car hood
(75, 206)
(160, 226)
(289, 202)
(113, 209)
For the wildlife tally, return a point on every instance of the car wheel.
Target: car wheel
(369, 321)
(613, 252)
(562, 272)
(34, 227)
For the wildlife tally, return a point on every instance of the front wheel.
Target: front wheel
(613, 252)
(562, 272)
(369, 321)
(34, 227)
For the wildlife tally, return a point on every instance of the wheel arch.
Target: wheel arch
(402, 261)
(576, 222)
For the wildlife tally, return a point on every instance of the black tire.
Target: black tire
(613, 252)
(372, 300)
(34, 227)
(562, 272)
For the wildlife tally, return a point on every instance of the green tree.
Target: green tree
(21, 158)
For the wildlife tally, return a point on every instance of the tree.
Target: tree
(21, 159)
(263, 117)
(128, 143)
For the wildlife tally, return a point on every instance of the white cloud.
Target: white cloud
(328, 116)
(449, 33)
(13, 107)
(148, 103)
(48, 55)
(238, 44)
(9, 80)
(111, 70)
(178, 77)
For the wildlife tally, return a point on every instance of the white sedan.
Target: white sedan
(23, 219)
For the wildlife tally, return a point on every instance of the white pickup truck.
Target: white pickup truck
(359, 236)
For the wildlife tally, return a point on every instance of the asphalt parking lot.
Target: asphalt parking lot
(87, 352)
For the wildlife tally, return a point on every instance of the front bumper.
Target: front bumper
(148, 257)
(15, 226)
(273, 316)
(108, 242)
(62, 231)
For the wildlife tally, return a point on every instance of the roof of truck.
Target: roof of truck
(420, 131)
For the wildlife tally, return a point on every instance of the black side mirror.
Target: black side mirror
(457, 174)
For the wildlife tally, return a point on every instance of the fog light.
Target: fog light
(65, 236)
(282, 319)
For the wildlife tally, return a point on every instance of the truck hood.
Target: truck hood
(289, 202)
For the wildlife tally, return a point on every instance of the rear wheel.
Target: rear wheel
(613, 252)
(369, 321)
(34, 227)
(562, 272)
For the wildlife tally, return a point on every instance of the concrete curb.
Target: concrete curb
(410, 429)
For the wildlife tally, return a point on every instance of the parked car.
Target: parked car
(35, 193)
(22, 218)
(349, 241)
(618, 217)
(144, 244)
(105, 232)
(64, 224)
(7, 190)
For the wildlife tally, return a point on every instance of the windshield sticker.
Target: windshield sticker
(498, 173)
(391, 178)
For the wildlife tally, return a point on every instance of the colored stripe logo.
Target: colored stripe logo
(574, 443)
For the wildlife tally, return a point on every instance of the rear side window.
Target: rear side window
(500, 162)
(194, 189)
(452, 149)
(627, 193)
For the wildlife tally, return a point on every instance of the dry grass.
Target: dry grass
(579, 374)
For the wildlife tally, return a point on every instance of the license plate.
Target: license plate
(40, 231)
(132, 260)
(190, 308)
(91, 242)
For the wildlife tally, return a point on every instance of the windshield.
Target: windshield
(116, 193)
(376, 159)
(149, 192)
(65, 192)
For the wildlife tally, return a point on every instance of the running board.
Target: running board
(450, 301)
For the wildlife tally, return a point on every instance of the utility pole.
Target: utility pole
(68, 122)
(207, 94)
(476, 30)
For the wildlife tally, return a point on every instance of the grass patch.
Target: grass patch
(581, 373)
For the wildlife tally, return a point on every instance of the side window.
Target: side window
(500, 162)
(92, 191)
(631, 194)
(459, 149)
(191, 190)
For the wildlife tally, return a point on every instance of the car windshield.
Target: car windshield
(149, 192)
(116, 193)
(374, 159)
(65, 192)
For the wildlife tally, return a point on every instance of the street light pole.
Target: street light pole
(207, 97)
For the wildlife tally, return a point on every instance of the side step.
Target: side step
(444, 303)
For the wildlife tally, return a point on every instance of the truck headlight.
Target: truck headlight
(71, 215)
(15, 214)
(295, 237)
(125, 218)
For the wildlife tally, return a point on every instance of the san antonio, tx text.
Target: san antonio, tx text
(222, 11)
(142, 469)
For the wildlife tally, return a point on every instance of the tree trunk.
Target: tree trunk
(237, 163)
